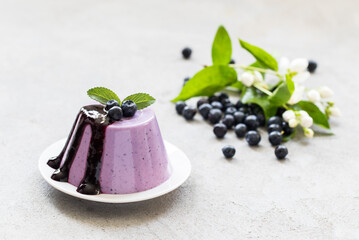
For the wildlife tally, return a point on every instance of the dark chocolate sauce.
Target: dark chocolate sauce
(96, 117)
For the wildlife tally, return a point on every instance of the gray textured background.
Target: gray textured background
(51, 52)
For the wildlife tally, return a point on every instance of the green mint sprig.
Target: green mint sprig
(103, 95)
(222, 75)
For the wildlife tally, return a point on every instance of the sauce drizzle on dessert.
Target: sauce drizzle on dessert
(96, 117)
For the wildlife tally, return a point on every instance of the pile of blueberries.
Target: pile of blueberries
(245, 119)
(115, 112)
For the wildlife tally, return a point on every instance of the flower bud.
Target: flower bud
(247, 79)
(293, 123)
(301, 77)
(306, 122)
(313, 96)
(325, 92)
(297, 95)
(258, 76)
(335, 112)
(283, 64)
(309, 133)
(288, 115)
(303, 113)
(298, 65)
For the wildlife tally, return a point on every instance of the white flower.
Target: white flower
(297, 95)
(247, 79)
(301, 77)
(288, 115)
(283, 65)
(335, 112)
(325, 92)
(298, 65)
(271, 80)
(309, 133)
(313, 96)
(258, 76)
(293, 123)
(303, 114)
(306, 121)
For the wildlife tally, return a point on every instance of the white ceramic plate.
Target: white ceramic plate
(180, 170)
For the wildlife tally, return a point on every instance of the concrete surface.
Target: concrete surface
(51, 52)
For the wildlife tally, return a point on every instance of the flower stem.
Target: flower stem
(262, 89)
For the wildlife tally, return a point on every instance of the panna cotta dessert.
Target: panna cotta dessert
(113, 149)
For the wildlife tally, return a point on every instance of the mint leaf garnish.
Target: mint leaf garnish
(207, 82)
(222, 47)
(102, 95)
(319, 118)
(264, 58)
(142, 100)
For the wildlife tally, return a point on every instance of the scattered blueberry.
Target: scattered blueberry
(274, 127)
(240, 129)
(180, 105)
(252, 122)
(230, 110)
(219, 130)
(232, 61)
(239, 104)
(217, 105)
(186, 53)
(312, 66)
(189, 112)
(214, 115)
(228, 105)
(275, 138)
(253, 138)
(110, 104)
(280, 111)
(213, 98)
(129, 108)
(261, 119)
(286, 129)
(239, 117)
(228, 120)
(281, 151)
(185, 80)
(228, 151)
(201, 101)
(225, 101)
(115, 113)
(222, 96)
(204, 110)
(243, 109)
(274, 120)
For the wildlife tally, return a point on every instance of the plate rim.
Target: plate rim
(182, 171)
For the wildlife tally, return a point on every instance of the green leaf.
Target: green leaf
(290, 83)
(221, 48)
(142, 100)
(238, 85)
(281, 95)
(102, 95)
(207, 82)
(250, 95)
(319, 118)
(264, 58)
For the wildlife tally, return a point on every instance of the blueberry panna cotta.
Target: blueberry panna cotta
(220, 130)
(217, 105)
(312, 66)
(239, 117)
(228, 151)
(204, 110)
(228, 120)
(115, 113)
(129, 108)
(111, 103)
(275, 138)
(253, 138)
(240, 130)
(274, 120)
(274, 127)
(281, 152)
(186, 53)
(189, 112)
(201, 101)
(214, 115)
(180, 105)
(251, 122)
